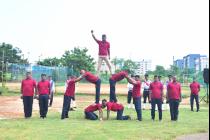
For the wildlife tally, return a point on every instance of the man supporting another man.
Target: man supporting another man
(28, 86)
(92, 79)
(112, 81)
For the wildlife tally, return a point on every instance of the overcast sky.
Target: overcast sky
(136, 29)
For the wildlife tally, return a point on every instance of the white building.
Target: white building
(143, 67)
(201, 63)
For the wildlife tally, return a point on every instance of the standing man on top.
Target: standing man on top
(104, 52)
(92, 79)
(195, 89)
(146, 85)
(28, 86)
(52, 89)
(175, 97)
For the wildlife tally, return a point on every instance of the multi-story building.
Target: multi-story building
(201, 63)
(143, 66)
(189, 61)
(179, 63)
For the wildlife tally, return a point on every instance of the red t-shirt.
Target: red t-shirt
(119, 76)
(90, 77)
(137, 90)
(43, 87)
(103, 48)
(92, 108)
(174, 90)
(114, 106)
(156, 89)
(195, 88)
(27, 87)
(70, 90)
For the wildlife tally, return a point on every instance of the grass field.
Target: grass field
(77, 128)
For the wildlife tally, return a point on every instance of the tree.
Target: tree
(78, 59)
(118, 63)
(9, 54)
(50, 62)
(160, 70)
(130, 65)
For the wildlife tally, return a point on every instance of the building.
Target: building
(143, 67)
(189, 61)
(201, 63)
(179, 63)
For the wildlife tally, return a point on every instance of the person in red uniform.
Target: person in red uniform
(104, 52)
(136, 95)
(92, 79)
(112, 82)
(195, 89)
(28, 86)
(175, 97)
(119, 108)
(156, 97)
(68, 95)
(89, 111)
(43, 88)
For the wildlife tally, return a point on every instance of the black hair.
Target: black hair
(104, 100)
(137, 76)
(43, 74)
(146, 75)
(155, 76)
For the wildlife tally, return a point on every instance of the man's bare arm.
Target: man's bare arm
(92, 32)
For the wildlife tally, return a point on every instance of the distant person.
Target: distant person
(104, 52)
(73, 105)
(175, 97)
(89, 112)
(113, 80)
(130, 91)
(156, 97)
(170, 80)
(52, 89)
(116, 107)
(195, 89)
(146, 85)
(28, 87)
(94, 80)
(68, 95)
(136, 95)
(43, 88)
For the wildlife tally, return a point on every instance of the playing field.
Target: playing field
(77, 128)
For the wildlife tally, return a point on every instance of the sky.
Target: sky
(136, 29)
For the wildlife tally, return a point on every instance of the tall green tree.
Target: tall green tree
(118, 63)
(130, 65)
(50, 62)
(78, 59)
(160, 70)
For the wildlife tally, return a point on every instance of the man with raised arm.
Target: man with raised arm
(104, 52)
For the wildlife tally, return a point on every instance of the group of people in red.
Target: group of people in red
(153, 91)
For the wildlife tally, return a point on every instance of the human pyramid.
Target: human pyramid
(154, 92)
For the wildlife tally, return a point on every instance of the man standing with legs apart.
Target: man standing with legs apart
(52, 89)
(146, 85)
(175, 97)
(156, 97)
(28, 86)
(195, 89)
(44, 95)
(69, 94)
(104, 52)
(92, 79)
(136, 95)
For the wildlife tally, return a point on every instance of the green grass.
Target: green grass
(77, 128)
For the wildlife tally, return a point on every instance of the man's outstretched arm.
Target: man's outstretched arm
(92, 32)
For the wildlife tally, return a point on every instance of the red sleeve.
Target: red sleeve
(34, 84)
(108, 46)
(108, 106)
